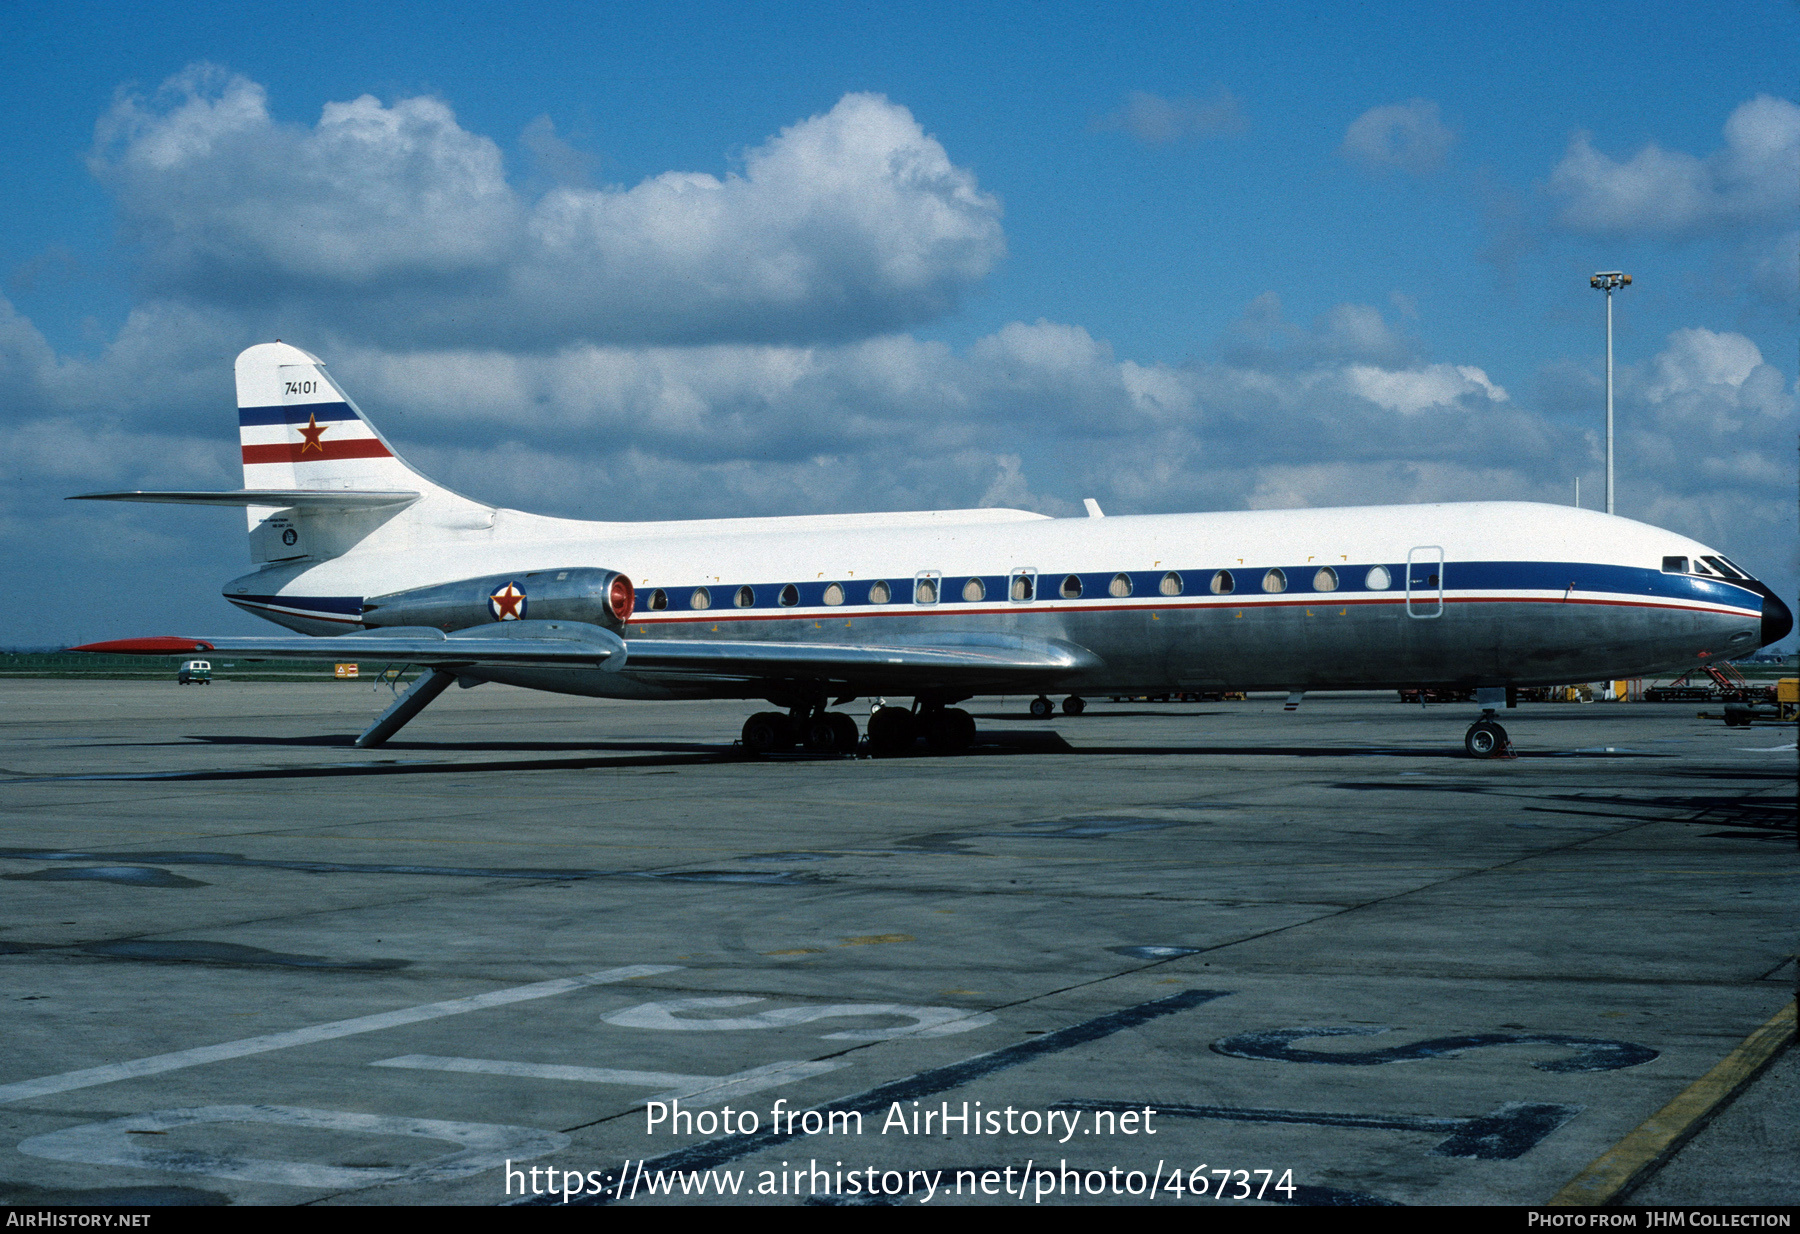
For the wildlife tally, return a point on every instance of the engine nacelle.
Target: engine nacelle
(582, 593)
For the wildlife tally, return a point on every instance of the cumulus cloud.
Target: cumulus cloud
(1263, 339)
(1750, 179)
(1410, 136)
(392, 222)
(1157, 121)
(1034, 415)
(1412, 391)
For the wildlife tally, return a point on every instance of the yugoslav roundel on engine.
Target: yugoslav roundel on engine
(507, 604)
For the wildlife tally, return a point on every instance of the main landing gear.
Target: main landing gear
(1042, 708)
(896, 730)
(892, 730)
(820, 732)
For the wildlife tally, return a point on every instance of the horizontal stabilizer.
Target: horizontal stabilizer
(283, 498)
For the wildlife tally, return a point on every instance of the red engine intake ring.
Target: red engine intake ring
(621, 597)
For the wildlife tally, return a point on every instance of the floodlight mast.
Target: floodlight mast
(1609, 281)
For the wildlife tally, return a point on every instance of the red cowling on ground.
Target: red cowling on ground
(161, 645)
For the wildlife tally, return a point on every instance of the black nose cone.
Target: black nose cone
(1778, 618)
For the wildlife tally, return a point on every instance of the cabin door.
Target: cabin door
(1425, 581)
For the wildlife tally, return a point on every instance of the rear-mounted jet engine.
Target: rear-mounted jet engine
(599, 597)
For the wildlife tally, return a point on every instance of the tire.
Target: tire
(1042, 708)
(768, 732)
(1073, 706)
(950, 731)
(892, 730)
(1485, 739)
(821, 735)
(848, 738)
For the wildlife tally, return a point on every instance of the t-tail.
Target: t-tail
(319, 479)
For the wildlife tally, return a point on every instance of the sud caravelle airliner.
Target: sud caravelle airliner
(362, 557)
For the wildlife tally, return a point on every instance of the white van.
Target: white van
(197, 671)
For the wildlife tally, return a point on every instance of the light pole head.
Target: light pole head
(1609, 280)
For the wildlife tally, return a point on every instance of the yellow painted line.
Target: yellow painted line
(1611, 1173)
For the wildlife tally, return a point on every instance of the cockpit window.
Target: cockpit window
(1718, 563)
(1674, 565)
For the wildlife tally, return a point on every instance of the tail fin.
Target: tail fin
(299, 430)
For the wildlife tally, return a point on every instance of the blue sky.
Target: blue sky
(1171, 256)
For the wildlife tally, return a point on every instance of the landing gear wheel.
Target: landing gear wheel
(1042, 708)
(1486, 739)
(845, 730)
(950, 731)
(768, 732)
(892, 730)
(1073, 706)
(821, 735)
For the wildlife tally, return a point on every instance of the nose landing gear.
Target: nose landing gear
(1486, 739)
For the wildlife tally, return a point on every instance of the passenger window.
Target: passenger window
(745, 597)
(1674, 565)
(790, 596)
(834, 594)
(1378, 579)
(974, 590)
(1170, 585)
(1071, 587)
(1275, 580)
(702, 598)
(1325, 580)
(659, 600)
(880, 593)
(1024, 585)
(1223, 584)
(925, 589)
(1120, 585)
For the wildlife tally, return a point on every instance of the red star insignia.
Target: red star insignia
(312, 432)
(506, 602)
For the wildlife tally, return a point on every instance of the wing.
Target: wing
(965, 661)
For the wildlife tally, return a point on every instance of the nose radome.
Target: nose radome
(1777, 618)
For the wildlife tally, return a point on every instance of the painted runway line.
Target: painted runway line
(1502, 1134)
(718, 1151)
(483, 1146)
(1652, 1142)
(200, 1055)
(677, 1086)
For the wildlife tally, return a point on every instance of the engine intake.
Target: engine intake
(599, 597)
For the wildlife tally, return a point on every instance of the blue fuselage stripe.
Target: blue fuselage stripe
(1460, 579)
